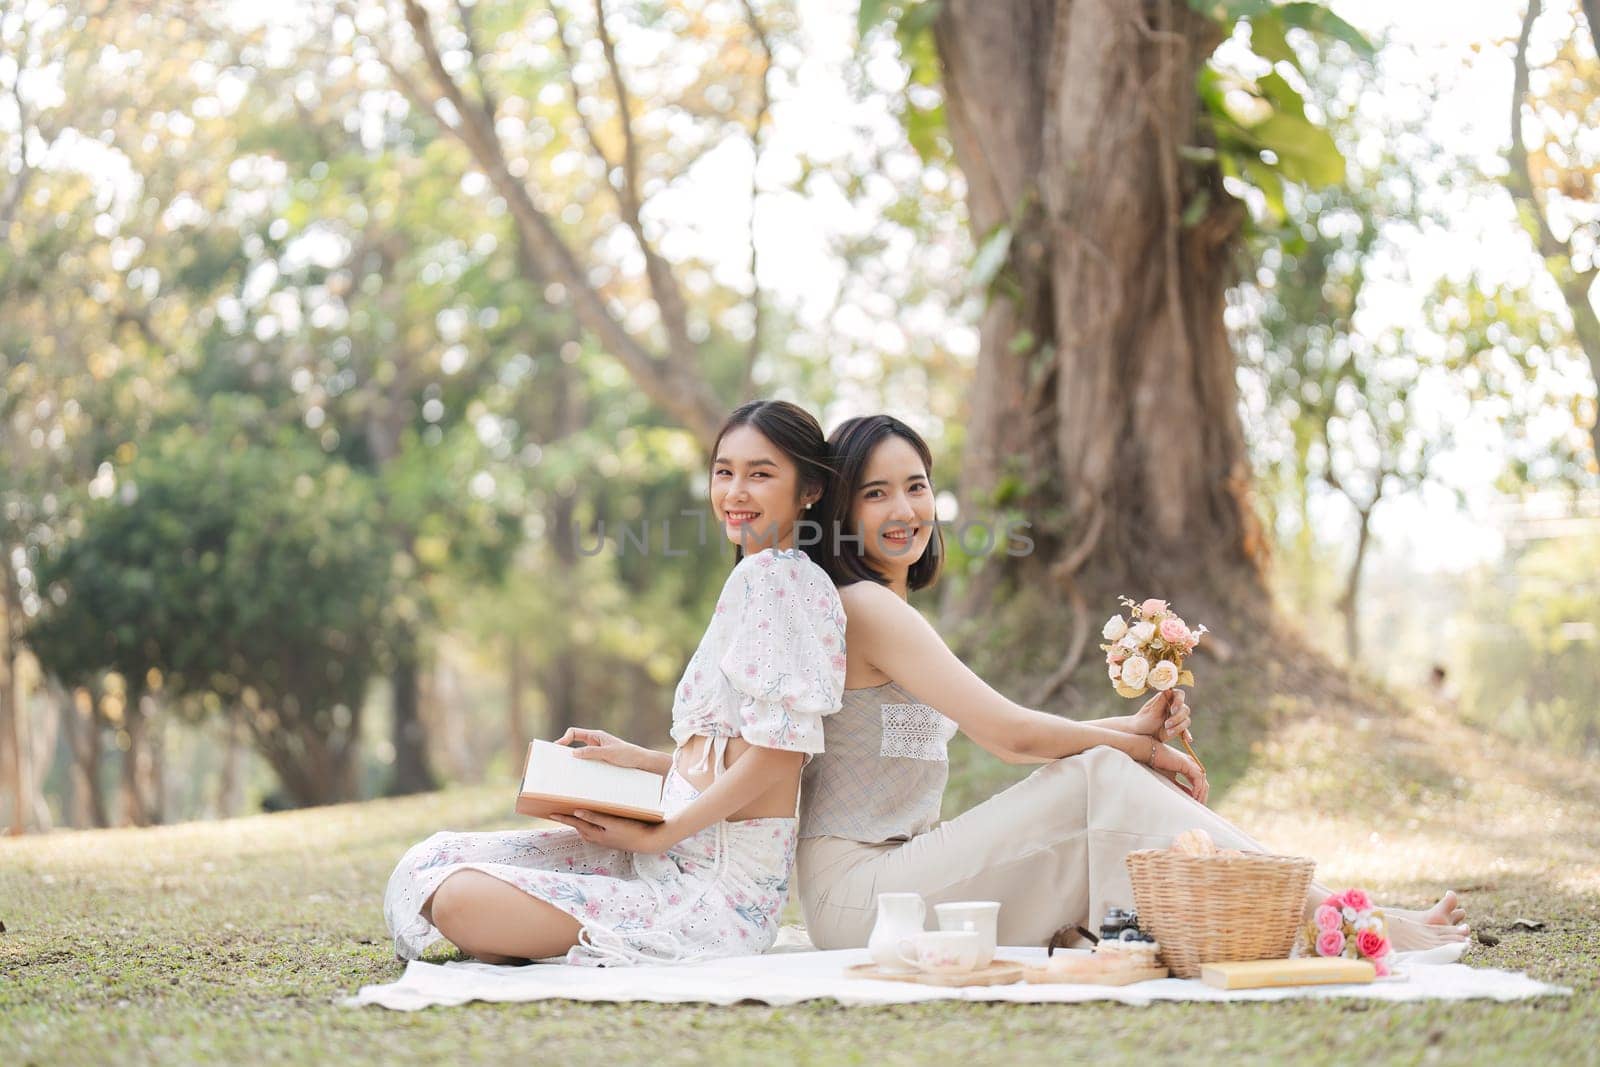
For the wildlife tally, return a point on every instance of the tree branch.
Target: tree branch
(577, 92)
(757, 137)
(674, 382)
(19, 184)
(663, 284)
(1557, 254)
(486, 101)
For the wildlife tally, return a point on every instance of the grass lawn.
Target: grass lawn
(232, 941)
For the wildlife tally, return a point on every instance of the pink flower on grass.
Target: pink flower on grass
(1173, 631)
(1151, 608)
(1357, 899)
(1330, 943)
(1328, 919)
(1372, 944)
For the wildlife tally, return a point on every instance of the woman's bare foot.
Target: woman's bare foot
(1442, 924)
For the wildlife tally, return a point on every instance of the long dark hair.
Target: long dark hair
(798, 435)
(851, 446)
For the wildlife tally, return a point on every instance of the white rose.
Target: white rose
(1144, 631)
(1115, 670)
(1163, 675)
(1349, 915)
(1114, 628)
(1134, 671)
(1129, 640)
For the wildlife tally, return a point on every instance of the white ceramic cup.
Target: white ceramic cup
(942, 951)
(980, 915)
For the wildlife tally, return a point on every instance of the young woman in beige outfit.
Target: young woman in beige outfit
(1050, 848)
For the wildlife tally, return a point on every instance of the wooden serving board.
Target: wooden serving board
(999, 972)
(1091, 972)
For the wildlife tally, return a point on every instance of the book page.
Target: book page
(554, 770)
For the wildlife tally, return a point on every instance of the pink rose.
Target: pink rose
(1173, 631)
(1329, 919)
(1330, 943)
(1372, 944)
(1382, 967)
(1357, 899)
(1334, 900)
(1151, 608)
(1116, 655)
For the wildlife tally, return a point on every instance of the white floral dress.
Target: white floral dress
(769, 667)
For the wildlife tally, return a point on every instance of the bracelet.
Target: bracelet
(1154, 744)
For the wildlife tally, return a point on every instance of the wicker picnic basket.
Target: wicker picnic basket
(1213, 909)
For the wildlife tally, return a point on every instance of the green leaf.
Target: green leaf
(1318, 19)
(1306, 153)
(1268, 40)
(1228, 12)
(991, 256)
(920, 17)
(923, 127)
(1282, 95)
(1265, 176)
(870, 14)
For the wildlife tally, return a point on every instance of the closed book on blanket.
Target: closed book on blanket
(557, 782)
(1257, 974)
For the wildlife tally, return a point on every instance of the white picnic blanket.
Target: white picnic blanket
(788, 977)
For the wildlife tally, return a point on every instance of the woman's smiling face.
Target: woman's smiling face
(755, 490)
(893, 508)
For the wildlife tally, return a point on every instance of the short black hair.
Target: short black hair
(851, 445)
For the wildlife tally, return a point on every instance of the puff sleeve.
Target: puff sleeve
(785, 657)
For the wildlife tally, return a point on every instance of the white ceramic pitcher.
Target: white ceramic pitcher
(900, 916)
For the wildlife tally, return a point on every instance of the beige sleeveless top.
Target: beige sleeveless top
(882, 771)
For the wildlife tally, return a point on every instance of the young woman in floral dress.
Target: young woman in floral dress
(746, 716)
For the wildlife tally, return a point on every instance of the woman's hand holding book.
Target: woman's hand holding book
(599, 745)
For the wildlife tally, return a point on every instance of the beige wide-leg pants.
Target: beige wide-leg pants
(1050, 849)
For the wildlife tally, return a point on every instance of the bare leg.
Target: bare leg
(1441, 924)
(496, 922)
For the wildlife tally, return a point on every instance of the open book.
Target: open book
(557, 782)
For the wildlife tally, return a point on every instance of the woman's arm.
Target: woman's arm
(749, 776)
(894, 638)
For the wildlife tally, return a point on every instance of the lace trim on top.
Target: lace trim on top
(916, 731)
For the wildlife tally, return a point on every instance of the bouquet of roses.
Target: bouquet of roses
(1346, 924)
(1148, 651)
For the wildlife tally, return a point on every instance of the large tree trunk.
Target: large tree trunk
(314, 767)
(230, 778)
(135, 811)
(16, 748)
(1104, 405)
(80, 708)
(412, 771)
(46, 734)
